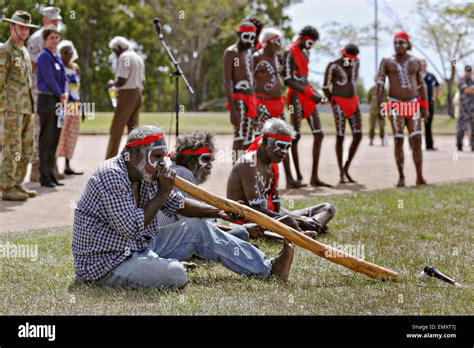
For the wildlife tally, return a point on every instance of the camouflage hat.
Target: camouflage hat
(21, 18)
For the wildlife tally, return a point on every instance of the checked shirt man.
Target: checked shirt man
(117, 239)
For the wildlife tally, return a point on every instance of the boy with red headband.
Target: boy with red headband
(407, 100)
(339, 87)
(254, 181)
(301, 98)
(240, 87)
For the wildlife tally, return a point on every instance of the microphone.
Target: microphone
(158, 27)
(433, 272)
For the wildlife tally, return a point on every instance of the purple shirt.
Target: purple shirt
(50, 73)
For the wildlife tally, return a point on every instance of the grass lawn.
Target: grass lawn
(402, 229)
(218, 122)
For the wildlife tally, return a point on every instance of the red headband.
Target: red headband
(347, 55)
(247, 29)
(282, 137)
(146, 140)
(401, 35)
(199, 151)
(307, 38)
(259, 45)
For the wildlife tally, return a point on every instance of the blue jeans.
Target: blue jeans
(158, 266)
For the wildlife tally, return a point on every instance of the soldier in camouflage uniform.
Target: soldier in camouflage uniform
(16, 108)
(466, 116)
(51, 16)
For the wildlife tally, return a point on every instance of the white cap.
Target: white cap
(52, 12)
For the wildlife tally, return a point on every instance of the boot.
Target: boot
(12, 194)
(35, 176)
(30, 193)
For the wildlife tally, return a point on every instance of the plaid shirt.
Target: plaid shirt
(108, 225)
(186, 174)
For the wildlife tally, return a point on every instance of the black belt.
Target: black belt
(46, 93)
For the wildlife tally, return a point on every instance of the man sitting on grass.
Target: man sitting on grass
(118, 241)
(192, 160)
(254, 180)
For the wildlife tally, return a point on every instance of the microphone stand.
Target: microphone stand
(176, 73)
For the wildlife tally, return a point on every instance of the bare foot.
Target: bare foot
(346, 171)
(293, 184)
(342, 179)
(282, 263)
(318, 182)
(420, 182)
(401, 182)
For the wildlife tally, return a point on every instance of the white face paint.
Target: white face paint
(149, 177)
(248, 37)
(308, 44)
(156, 163)
(282, 146)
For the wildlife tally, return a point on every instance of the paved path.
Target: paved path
(373, 167)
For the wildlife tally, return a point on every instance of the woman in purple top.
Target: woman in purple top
(51, 77)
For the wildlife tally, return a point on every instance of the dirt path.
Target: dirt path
(373, 167)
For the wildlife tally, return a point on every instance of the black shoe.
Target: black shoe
(459, 148)
(431, 149)
(47, 184)
(72, 172)
(55, 181)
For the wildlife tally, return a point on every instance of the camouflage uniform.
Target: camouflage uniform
(374, 112)
(34, 46)
(16, 110)
(466, 116)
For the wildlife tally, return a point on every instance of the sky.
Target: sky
(358, 13)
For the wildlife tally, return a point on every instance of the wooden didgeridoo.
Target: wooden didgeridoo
(325, 251)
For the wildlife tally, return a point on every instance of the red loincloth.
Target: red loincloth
(347, 104)
(307, 103)
(249, 100)
(275, 106)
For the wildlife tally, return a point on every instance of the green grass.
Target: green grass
(218, 122)
(434, 227)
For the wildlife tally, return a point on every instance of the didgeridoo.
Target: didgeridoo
(325, 251)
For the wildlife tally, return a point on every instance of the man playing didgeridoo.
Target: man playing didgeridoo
(192, 160)
(117, 239)
(301, 98)
(407, 98)
(240, 87)
(254, 180)
(339, 87)
(270, 101)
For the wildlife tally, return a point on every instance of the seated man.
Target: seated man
(118, 241)
(192, 160)
(254, 180)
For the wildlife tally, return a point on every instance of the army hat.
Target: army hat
(52, 12)
(21, 18)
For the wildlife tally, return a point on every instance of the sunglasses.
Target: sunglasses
(248, 37)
